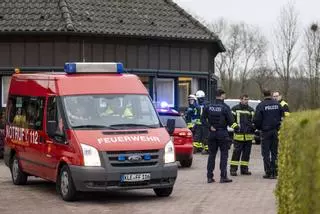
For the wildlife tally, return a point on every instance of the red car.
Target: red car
(182, 136)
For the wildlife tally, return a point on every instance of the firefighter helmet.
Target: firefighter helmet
(200, 94)
(192, 97)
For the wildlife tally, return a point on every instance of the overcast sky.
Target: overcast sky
(263, 13)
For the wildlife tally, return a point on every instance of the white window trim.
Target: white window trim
(4, 102)
(164, 80)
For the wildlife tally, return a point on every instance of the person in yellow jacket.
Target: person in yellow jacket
(20, 119)
(115, 109)
(277, 96)
(243, 136)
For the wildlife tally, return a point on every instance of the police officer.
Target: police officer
(218, 116)
(267, 118)
(202, 130)
(277, 96)
(243, 136)
(192, 118)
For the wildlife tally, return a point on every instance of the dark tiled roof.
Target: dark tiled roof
(152, 18)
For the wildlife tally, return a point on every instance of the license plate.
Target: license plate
(135, 177)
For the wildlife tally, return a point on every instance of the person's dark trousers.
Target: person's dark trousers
(197, 137)
(242, 149)
(245, 157)
(218, 139)
(269, 147)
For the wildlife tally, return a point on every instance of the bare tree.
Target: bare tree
(245, 46)
(226, 62)
(286, 38)
(254, 48)
(312, 45)
(262, 76)
(220, 27)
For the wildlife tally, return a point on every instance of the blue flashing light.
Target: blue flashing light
(120, 68)
(121, 157)
(164, 105)
(70, 68)
(147, 157)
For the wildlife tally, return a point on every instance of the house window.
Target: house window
(164, 90)
(5, 89)
(184, 91)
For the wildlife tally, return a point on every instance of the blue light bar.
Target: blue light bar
(93, 67)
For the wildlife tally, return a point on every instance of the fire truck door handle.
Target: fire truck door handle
(49, 143)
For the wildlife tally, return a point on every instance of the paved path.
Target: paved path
(246, 195)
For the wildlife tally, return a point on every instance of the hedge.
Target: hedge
(298, 187)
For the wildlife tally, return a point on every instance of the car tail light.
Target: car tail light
(184, 137)
(185, 134)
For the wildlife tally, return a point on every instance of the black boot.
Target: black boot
(233, 170)
(204, 152)
(225, 180)
(245, 172)
(233, 173)
(205, 149)
(210, 180)
(274, 175)
(267, 176)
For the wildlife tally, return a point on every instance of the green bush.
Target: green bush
(298, 187)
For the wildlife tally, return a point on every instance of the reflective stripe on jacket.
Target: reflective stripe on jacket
(285, 108)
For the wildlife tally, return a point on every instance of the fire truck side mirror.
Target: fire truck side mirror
(171, 123)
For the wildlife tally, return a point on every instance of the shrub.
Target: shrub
(298, 187)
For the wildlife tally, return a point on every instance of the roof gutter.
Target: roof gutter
(146, 72)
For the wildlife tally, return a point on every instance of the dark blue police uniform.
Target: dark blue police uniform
(218, 116)
(268, 116)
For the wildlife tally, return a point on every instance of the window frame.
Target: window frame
(184, 83)
(135, 108)
(28, 100)
(155, 85)
(60, 138)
